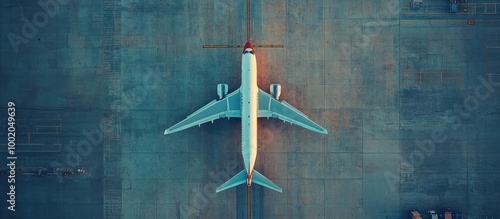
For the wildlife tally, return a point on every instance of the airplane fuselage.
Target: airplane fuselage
(249, 109)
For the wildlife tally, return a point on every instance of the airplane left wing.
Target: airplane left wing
(225, 108)
(270, 107)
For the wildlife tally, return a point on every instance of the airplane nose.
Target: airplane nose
(248, 45)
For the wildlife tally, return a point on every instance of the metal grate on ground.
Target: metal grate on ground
(431, 78)
(492, 62)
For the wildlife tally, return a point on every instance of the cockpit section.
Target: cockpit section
(248, 51)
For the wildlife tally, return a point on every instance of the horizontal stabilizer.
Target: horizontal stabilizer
(238, 179)
(263, 181)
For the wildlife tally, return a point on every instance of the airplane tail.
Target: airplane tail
(237, 179)
(263, 181)
(241, 178)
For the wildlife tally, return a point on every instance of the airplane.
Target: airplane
(248, 102)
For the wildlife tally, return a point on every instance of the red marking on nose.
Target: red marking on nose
(248, 45)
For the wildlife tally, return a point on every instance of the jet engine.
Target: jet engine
(222, 90)
(275, 91)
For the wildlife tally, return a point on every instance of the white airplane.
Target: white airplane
(248, 103)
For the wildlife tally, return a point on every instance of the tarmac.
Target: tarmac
(410, 97)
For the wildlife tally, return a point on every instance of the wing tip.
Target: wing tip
(166, 132)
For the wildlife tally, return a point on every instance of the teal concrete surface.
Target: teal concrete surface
(410, 97)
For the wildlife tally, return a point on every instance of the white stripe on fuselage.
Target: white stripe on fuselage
(249, 108)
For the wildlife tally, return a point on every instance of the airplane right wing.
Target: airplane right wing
(270, 107)
(225, 108)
